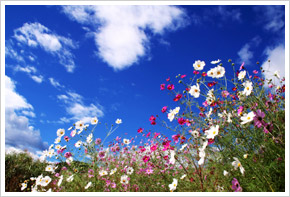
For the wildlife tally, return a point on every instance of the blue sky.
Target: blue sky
(66, 63)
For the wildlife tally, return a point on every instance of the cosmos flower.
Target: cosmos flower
(215, 61)
(198, 65)
(126, 141)
(113, 171)
(236, 185)
(226, 173)
(237, 164)
(247, 117)
(248, 88)
(129, 170)
(124, 179)
(88, 185)
(212, 73)
(212, 132)
(70, 178)
(170, 87)
(195, 134)
(220, 72)
(177, 97)
(162, 87)
(183, 176)
(173, 185)
(242, 75)
(78, 144)
(57, 140)
(23, 186)
(258, 119)
(118, 121)
(164, 109)
(80, 125)
(194, 91)
(60, 132)
(94, 121)
(103, 173)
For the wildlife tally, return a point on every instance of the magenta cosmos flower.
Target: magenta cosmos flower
(258, 119)
(164, 109)
(236, 185)
(146, 158)
(67, 154)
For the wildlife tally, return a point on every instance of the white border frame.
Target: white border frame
(2, 41)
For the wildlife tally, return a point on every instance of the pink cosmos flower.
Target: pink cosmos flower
(153, 148)
(242, 66)
(91, 173)
(204, 74)
(113, 185)
(175, 137)
(146, 158)
(152, 118)
(156, 135)
(98, 141)
(177, 97)
(164, 109)
(195, 72)
(181, 121)
(162, 86)
(240, 110)
(170, 87)
(67, 154)
(255, 72)
(182, 76)
(225, 93)
(149, 171)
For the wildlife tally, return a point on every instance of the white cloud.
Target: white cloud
(226, 13)
(77, 109)
(245, 53)
(276, 56)
(37, 79)
(55, 83)
(271, 16)
(120, 33)
(18, 131)
(35, 34)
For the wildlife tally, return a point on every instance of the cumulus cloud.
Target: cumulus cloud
(271, 16)
(120, 31)
(36, 156)
(245, 53)
(37, 35)
(77, 109)
(19, 133)
(276, 55)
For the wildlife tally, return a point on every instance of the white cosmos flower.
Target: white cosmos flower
(94, 121)
(277, 74)
(247, 117)
(194, 91)
(57, 147)
(78, 144)
(23, 186)
(210, 98)
(70, 128)
(70, 178)
(225, 173)
(242, 75)
(90, 138)
(220, 71)
(215, 61)
(198, 65)
(118, 121)
(195, 134)
(88, 185)
(80, 125)
(124, 179)
(172, 157)
(183, 176)
(49, 168)
(45, 181)
(237, 164)
(245, 156)
(57, 140)
(126, 141)
(209, 113)
(248, 88)
(73, 132)
(103, 173)
(60, 180)
(183, 147)
(176, 110)
(69, 160)
(60, 132)
(129, 170)
(172, 113)
(50, 153)
(212, 72)
(212, 132)
(113, 171)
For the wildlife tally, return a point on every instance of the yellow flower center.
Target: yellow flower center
(214, 132)
(248, 88)
(46, 181)
(239, 164)
(198, 65)
(218, 72)
(124, 181)
(174, 185)
(196, 90)
(211, 73)
(249, 118)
